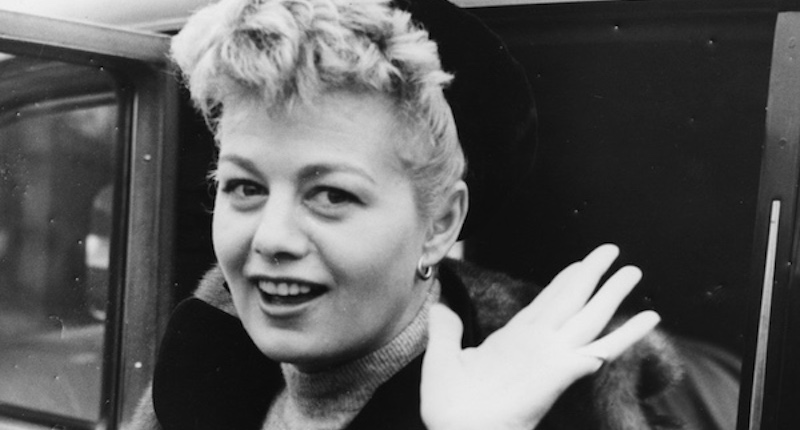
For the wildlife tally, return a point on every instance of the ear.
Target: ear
(446, 224)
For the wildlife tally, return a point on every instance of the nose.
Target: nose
(279, 235)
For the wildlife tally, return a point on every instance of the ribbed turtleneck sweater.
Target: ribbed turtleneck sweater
(331, 399)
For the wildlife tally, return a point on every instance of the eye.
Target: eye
(328, 199)
(243, 188)
(336, 197)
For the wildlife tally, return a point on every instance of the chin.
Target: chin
(285, 346)
(303, 353)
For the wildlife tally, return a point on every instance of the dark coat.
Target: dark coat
(210, 375)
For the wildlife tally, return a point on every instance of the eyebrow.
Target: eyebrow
(240, 161)
(306, 173)
(322, 169)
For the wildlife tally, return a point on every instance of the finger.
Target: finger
(590, 321)
(444, 338)
(572, 297)
(615, 343)
(549, 297)
(544, 299)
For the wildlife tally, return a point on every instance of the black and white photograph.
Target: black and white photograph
(399, 214)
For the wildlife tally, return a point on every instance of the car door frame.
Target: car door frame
(141, 268)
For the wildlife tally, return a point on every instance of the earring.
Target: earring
(424, 272)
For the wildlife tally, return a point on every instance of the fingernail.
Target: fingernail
(605, 251)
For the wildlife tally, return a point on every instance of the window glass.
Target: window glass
(58, 158)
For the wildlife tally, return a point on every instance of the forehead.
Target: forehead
(336, 126)
(332, 107)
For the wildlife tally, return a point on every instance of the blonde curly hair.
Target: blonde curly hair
(288, 52)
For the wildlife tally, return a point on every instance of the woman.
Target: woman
(339, 194)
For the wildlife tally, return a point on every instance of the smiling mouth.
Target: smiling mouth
(289, 292)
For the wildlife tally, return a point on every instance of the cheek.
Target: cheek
(378, 254)
(230, 236)
(378, 273)
(218, 234)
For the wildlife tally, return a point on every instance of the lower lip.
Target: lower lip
(285, 310)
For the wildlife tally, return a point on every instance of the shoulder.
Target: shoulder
(145, 416)
(213, 290)
(496, 297)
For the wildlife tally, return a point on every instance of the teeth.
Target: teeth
(269, 287)
(283, 289)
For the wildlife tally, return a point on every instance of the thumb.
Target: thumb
(444, 337)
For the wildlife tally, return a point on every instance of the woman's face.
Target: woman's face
(316, 228)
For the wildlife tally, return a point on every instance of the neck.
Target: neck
(335, 395)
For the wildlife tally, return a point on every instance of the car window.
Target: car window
(59, 152)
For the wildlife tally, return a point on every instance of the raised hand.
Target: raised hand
(512, 379)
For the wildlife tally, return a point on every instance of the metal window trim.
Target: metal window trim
(147, 296)
(46, 34)
(773, 274)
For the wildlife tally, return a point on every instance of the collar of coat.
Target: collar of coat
(210, 375)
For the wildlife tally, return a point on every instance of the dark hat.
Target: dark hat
(492, 102)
